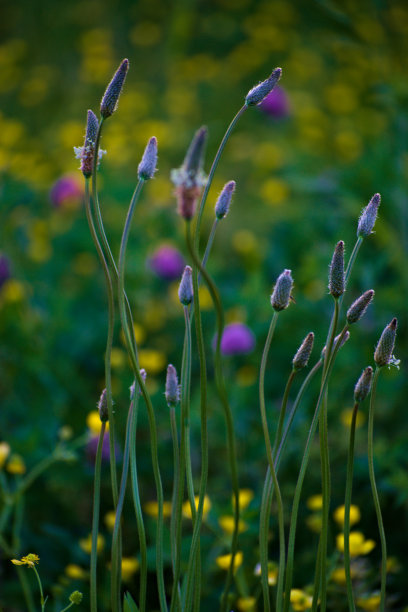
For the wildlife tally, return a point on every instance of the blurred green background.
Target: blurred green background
(304, 169)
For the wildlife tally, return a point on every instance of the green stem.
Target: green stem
(374, 490)
(95, 519)
(347, 504)
(302, 473)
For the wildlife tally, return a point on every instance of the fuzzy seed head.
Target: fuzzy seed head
(302, 356)
(358, 308)
(103, 407)
(147, 166)
(363, 386)
(336, 274)
(111, 96)
(185, 291)
(368, 216)
(383, 354)
(224, 200)
(172, 387)
(260, 91)
(282, 290)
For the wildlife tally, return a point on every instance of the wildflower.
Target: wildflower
(276, 103)
(260, 91)
(368, 216)
(336, 274)
(358, 308)
(223, 561)
(224, 200)
(246, 604)
(76, 597)
(190, 178)
(172, 387)
(301, 358)
(281, 293)
(237, 339)
(31, 560)
(167, 262)
(152, 508)
(227, 524)
(4, 453)
(357, 543)
(5, 272)
(86, 543)
(383, 353)
(185, 291)
(355, 515)
(16, 465)
(66, 191)
(147, 166)
(206, 507)
(111, 96)
(300, 600)
(76, 572)
(130, 566)
(363, 386)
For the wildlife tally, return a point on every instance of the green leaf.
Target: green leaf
(129, 604)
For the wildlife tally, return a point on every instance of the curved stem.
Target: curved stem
(95, 519)
(347, 504)
(374, 490)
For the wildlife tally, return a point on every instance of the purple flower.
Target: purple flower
(92, 446)
(276, 103)
(67, 189)
(4, 269)
(167, 262)
(237, 339)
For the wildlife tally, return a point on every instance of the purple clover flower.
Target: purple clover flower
(66, 189)
(167, 262)
(237, 339)
(276, 103)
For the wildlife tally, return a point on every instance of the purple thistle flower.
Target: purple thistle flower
(147, 166)
(260, 91)
(5, 272)
(276, 103)
(111, 96)
(167, 262)
(237, 339)
(65, 190)
(224, 200)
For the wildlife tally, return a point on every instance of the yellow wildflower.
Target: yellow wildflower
(31, 559)
(223, 561)
(246, 604)
(16, 465)
(300, 600)
(152, 508)
(227, 524)
(130, 565)
(4, 453)
(358, 545)
(355, 515)
(94, 423)
(206, 507)
(86, 543)
(76, 572)
(370, 603)
(315, 502)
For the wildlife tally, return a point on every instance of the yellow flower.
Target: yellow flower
(315, 502)
(86, 543)
(130, 565)
(152, 508)
(206, 507)
(227, 524)
(358, 545)
(355, 515)
(300, 600)
(369, 603)
(94, 423)
(4, 453)
(31, 559)
(223, 561)
(16, 465)
(246, 604)
(76, 572)
(245, 497)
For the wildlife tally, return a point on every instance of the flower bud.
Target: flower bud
(301, 358)
(368, 216)
(111, 96)
(260, 91)
(185, 291)
(147, 166)
(363, 386)
(103, 407)
(383, 353)
(172, 387)
(224, 200)
(358, 308)
(336, 274)
(281, 292)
